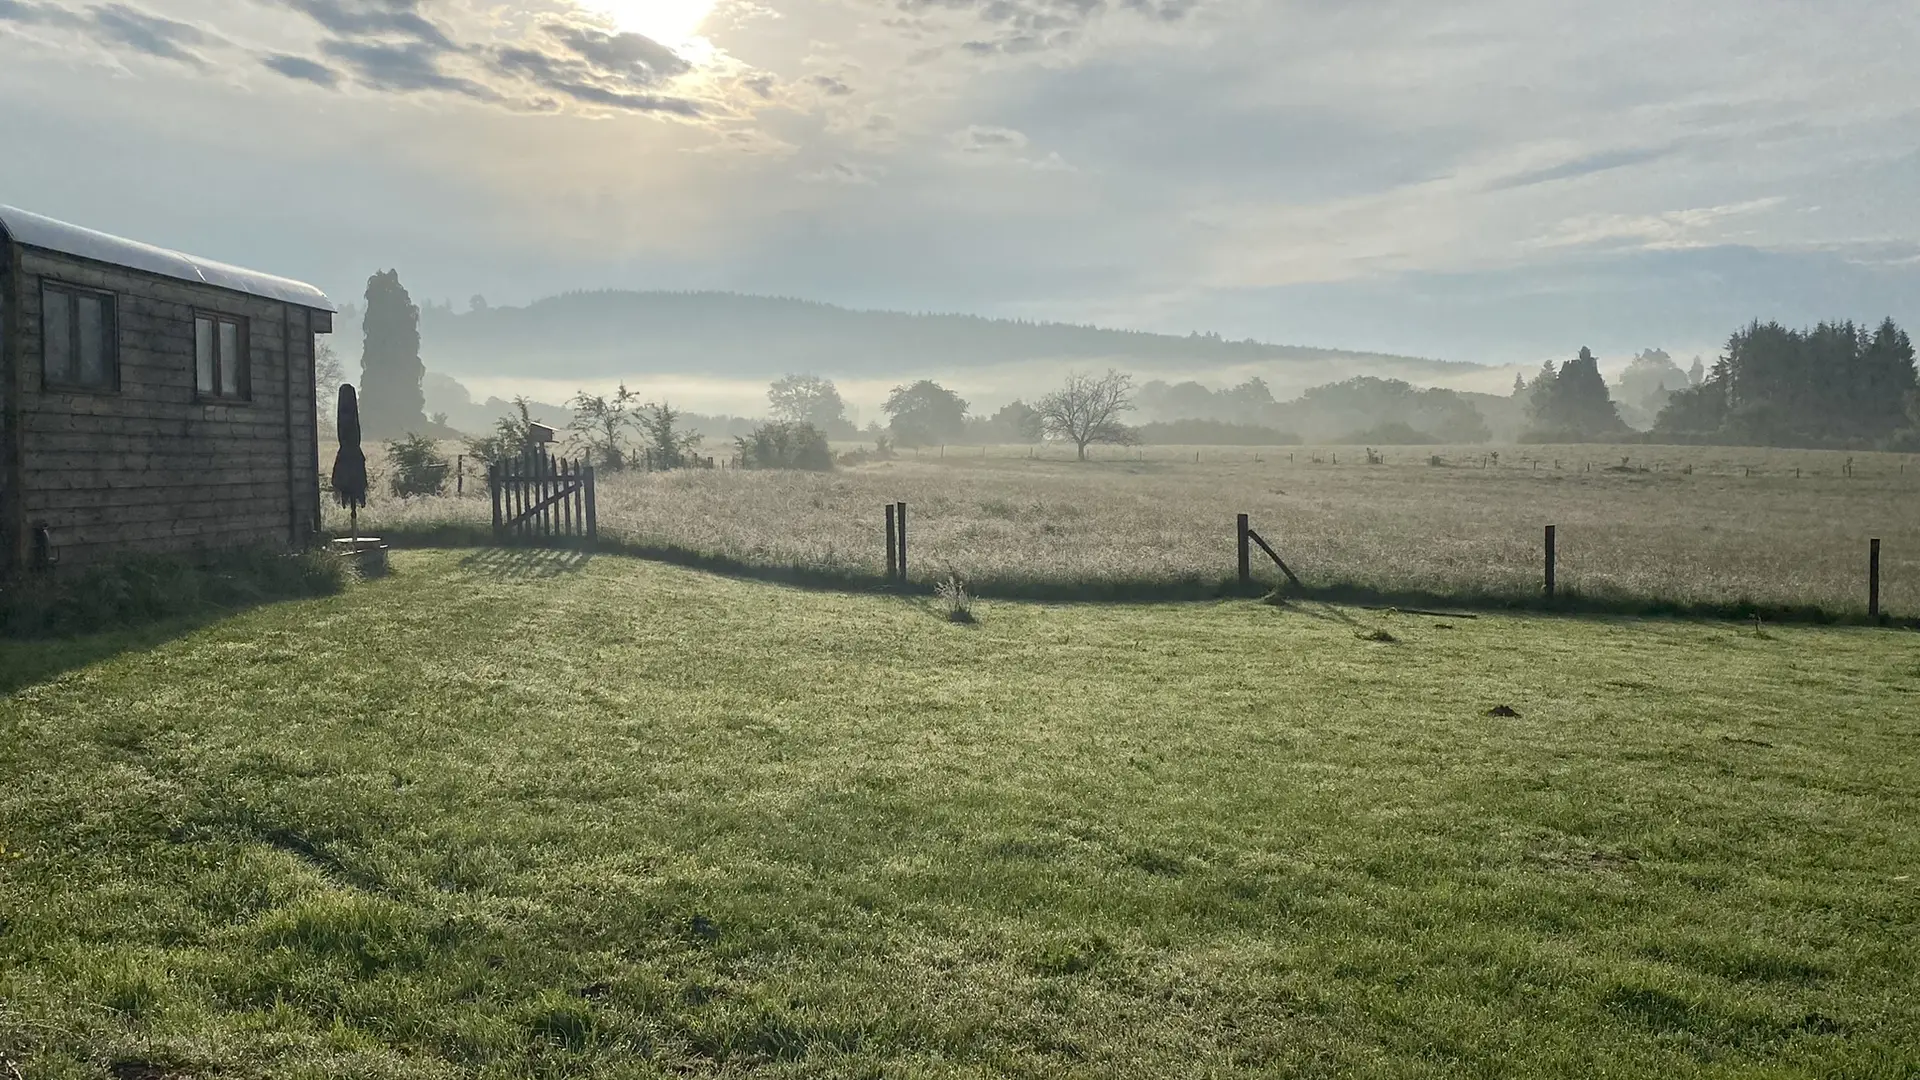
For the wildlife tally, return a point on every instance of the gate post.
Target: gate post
(593, 521)
(493, 491)
(893, 548)
(900, 511)
(1873, 578)
(1550, 567)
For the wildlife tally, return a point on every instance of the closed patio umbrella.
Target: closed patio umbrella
(350, 464)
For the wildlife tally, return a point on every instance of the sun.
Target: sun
(673, 23)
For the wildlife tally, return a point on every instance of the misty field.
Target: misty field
(514, 814)
(1775, 528)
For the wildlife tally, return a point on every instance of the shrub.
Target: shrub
(600, 426)
(882, 451)
(667, 447)
(953, 594)
(418, 466)
(509, 438)
(785, 445)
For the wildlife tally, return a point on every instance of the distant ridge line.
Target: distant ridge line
(615, 331)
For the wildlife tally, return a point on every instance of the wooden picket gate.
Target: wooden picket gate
(540, 500)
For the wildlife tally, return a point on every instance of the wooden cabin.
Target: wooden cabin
(150, 401)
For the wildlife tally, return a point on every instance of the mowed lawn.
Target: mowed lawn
(509, 815)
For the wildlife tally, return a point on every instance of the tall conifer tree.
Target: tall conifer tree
(392, 403)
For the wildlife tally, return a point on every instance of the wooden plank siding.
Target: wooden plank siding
(12, 514)
(151, 466)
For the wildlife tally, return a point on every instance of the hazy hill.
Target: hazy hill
(590, 335)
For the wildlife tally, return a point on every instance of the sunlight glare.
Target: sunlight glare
(673, 23)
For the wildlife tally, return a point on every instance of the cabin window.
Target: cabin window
(79, 345)
(220, 368)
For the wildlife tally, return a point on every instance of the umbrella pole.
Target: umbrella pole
(353, 523)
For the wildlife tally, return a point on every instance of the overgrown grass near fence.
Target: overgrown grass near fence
(1709, 530)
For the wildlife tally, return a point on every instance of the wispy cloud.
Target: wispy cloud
(1695, 227)
(119, 26)
(1585, 165)
(301, 68)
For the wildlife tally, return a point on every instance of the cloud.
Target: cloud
(1586, 165)
(362, 18)
(303, 69)
(978, 139)
(635, 57)
(118, 26)
(1696, 227)
(151, 34)
(1019, 27)
(33, 13)
(612, 70)
(392, 46)
(1030, 15)
(404, 68)
(840, 173)
(830, 86)
(1004, 145)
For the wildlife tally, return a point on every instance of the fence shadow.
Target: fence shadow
(531, 562)
(527, 563)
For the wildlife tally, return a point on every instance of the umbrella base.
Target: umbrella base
(367, 554)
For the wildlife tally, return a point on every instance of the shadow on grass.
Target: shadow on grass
(527, 562)
(1191, 589)
(51, 623)
(26, 662)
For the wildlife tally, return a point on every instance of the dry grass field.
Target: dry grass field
(1770, 527)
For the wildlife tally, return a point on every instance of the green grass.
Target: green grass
(509, 815)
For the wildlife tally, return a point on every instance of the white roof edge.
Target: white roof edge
(36, 230)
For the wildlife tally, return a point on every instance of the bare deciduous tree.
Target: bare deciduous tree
(1087, 410)
(327, 377)
(807, 399)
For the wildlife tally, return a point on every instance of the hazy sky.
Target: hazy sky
(1497, 180)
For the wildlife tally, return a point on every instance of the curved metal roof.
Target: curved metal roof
(35, 230)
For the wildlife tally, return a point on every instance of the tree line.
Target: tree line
(1836, 384)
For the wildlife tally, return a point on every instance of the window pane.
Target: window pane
(203, 355)
(230, 359)
(92, 346)
(56, 321)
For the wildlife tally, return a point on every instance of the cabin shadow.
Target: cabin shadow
(28, 661)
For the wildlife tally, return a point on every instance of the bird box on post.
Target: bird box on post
(539, 433)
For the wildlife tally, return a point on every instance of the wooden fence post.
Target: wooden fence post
(1873, 578)
(900, 511)
(460, 475)
(1550, 531)
(893, 546)
(493, 490)
(1246, 560)
(593, 521)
